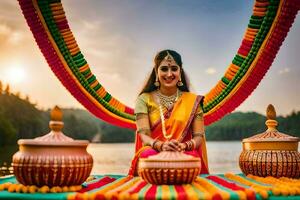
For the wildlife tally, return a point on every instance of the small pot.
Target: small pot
(169, 168)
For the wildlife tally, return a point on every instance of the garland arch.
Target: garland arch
(267, 28)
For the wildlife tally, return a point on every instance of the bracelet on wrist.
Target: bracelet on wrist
(157, 145)
(201, 134)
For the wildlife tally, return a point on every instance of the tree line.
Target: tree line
(20, 118)
(240, 125)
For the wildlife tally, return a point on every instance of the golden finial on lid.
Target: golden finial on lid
(271, 118)
(56, 114)
(271, 113)
(56, 123)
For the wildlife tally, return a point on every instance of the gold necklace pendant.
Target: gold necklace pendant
(168, 101)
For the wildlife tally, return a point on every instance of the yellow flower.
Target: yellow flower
(276, 191)
(72, 188)
(53, 190)
(18, 188)
(32, 189)
(6, 185)
(24, 189)
(59, 189)
(11, 188)
(44, 189)
(65, 189)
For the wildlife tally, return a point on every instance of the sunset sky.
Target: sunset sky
(120, 38)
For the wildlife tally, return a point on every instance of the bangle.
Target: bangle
(189, 145)
(157, 145)
(160, 146)
(201, 134)
(152, 144)
(145, 131)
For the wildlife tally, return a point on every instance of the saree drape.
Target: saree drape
(178, 123)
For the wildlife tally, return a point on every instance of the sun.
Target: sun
(15, 74)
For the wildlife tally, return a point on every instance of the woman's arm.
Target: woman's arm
(143, 129)
(198, 132)
(198, 128)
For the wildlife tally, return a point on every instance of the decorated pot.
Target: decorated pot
(169, 168)
(54, 159)
(271, 153)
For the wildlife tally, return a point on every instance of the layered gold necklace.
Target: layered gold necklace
(168, 101)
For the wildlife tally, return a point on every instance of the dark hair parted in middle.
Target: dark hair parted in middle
(149, 86)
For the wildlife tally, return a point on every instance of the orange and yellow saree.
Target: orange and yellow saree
(178, 123)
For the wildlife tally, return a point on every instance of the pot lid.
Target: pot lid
(171, 156)
(271, 134)
(56, 136)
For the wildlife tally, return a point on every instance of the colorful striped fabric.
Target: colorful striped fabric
(268, 26)
(216, 187)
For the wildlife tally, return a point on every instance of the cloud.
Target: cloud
(4, 29)
(210, 70)
(284, 71)
(7, 34)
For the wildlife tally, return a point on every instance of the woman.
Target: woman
(168, 116)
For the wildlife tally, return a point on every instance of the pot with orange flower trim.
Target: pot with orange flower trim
(271, 153)
(53, 159)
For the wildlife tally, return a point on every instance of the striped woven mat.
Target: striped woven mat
(216, 187)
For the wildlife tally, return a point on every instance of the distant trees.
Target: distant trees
(238, 125)
(19, 118)
(7, 131)
(113, 134)
(25, 119)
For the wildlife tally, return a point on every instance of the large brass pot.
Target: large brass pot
(271, 153)
(52, 160)
(169, 168)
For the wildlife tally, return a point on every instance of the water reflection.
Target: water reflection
(115, 158)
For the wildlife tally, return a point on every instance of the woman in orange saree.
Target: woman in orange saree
(167, 93)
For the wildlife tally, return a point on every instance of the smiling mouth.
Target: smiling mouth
(169, 79)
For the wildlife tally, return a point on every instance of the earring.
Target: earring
(156, 83)
(179, 83)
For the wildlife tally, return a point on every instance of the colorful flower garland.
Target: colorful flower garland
(19, 188)
(267, 29)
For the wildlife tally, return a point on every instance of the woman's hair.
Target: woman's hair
(149, 84)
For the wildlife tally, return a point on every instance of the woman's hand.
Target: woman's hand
(182, 146)
(172, 145)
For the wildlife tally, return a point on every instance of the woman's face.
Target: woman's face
(168, 73)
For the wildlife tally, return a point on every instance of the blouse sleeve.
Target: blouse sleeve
(141, 105)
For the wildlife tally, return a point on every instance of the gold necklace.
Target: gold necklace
(168, 101)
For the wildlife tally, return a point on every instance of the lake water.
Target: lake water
(223, 157)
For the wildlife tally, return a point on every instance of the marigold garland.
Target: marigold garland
(19, 188)
(281, 186)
